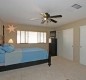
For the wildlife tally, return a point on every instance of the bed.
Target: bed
(19, 58)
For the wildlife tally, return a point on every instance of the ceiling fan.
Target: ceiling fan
(46, 18)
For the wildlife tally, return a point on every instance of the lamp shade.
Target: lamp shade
(10, 41)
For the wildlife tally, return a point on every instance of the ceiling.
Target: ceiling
(22, 11)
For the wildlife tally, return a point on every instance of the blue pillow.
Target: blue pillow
(6, 45)
(8, 48)
(2, 51)
(1, 47)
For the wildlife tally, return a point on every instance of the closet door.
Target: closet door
(83, 45)
(68, 44)
(59, 43)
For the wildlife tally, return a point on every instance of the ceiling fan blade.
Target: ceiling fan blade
(34, 19)
(43, 14)
(53, 20)
(56, 16)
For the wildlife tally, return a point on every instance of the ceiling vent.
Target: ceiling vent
(76, 6)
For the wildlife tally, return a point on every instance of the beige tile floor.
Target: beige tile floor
(61, 69)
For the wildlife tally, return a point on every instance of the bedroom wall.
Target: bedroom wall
(1, 31)
(28, 28)
(76, 36)
(1, 25)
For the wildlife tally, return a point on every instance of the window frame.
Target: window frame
(27, 41)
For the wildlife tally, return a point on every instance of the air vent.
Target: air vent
(76, 6)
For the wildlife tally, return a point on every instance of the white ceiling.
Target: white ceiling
(21, 11)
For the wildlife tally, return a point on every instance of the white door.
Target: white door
(68, 44)
(83, 45)
(59, 43)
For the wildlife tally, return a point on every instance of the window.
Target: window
(22, 38)
(31, 37)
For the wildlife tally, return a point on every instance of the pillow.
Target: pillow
(1, 47)
(2, 51)
(8, 48)
(6, 45)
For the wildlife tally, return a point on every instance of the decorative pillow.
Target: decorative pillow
(8, 48)
(1, 47)
(2, 51)
(6, 45)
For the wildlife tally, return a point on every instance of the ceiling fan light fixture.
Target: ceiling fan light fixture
(45, 18)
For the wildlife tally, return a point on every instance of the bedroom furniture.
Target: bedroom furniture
(53, 43)
(53, 47)
(53, 34)
(20, 58)
(3, 35)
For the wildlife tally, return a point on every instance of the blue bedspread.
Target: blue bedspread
(33, 54)
(2, 58)
(23, 55)
(14, 57)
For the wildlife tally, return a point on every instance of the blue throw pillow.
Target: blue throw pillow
(6, 45)
(1, 47)
(8, 48)
(2, 51)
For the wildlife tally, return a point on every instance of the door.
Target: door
(59, 36)
(83, 45)
(68, 44)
